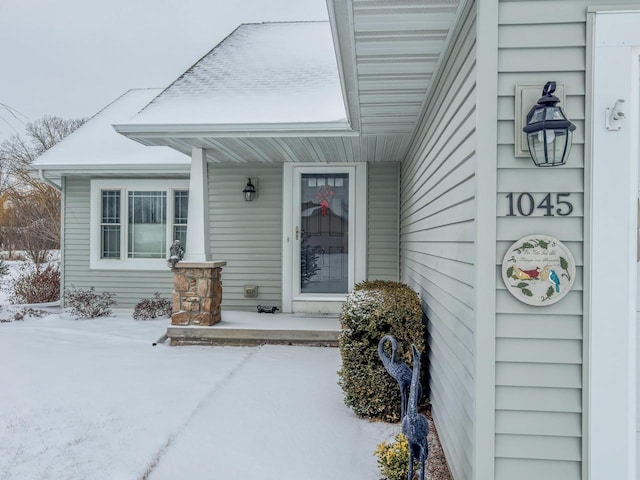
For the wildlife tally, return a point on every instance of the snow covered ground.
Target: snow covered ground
(93, 399)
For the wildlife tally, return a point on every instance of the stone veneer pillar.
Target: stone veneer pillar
(197, 293)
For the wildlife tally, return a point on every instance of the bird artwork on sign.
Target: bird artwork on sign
(532, 273)
(554, 280)
(520, 274)
(415, 426)
(399, 370)
(544, 273)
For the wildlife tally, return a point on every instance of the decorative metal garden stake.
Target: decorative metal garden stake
(176, 253)
(399, 370)
(415, 426)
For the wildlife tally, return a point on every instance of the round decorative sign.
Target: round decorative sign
(538, 270)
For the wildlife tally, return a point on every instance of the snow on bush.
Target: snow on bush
(88, 303)
(372, 310)
(151, 308)
(35, 285)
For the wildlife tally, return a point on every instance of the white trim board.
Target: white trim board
(611, 239)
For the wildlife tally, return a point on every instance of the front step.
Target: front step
(250, 337)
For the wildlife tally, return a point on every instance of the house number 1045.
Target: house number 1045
(525, 204)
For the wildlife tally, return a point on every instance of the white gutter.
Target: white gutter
(48, 181)
(324, 129)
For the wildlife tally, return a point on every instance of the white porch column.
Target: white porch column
(197, 248)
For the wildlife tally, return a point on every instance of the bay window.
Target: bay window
(135, 222)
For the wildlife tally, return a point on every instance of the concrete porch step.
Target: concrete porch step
(251, 329)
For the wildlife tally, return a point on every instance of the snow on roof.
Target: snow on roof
(97, 143)
(268, 73)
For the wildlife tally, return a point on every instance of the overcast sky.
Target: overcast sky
(72, 57)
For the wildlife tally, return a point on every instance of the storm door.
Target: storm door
(323, 233)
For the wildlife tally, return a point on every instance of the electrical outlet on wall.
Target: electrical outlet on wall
(250, 291)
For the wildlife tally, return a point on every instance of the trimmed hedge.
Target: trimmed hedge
(372, 310)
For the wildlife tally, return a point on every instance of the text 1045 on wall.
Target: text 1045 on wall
(544, 204)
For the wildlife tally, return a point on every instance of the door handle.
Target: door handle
(297, 232)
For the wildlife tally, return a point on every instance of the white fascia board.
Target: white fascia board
(122, 169)
(341, 21)
(322, 129)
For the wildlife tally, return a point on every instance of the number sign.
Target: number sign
(552, 204)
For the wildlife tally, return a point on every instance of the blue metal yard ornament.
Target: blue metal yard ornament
(415, 426)
(399, 370)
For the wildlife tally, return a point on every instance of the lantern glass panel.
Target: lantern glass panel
(555, 143)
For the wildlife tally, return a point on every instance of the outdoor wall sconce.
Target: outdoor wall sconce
(249, 191)
(548, 130)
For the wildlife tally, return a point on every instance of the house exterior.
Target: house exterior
(401, 123)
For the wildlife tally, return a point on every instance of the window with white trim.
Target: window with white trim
(135, 222)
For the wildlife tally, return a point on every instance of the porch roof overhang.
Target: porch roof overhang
(387, 53)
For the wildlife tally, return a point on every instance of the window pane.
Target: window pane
(110, 247)
(181, 204)
(110, 228)
(180, 233)
(147, 225)
(111, 206)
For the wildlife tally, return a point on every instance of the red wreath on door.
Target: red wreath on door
(324, 195)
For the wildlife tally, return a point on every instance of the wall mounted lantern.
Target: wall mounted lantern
(249, 191)
(548, 130)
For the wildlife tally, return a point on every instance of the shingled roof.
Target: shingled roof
(268, 73)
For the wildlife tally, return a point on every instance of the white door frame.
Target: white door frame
(328, 303)
(610, 246)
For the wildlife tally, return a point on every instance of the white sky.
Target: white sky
(72, 57)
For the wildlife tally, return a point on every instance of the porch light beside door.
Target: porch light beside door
(548, 130)
(250, 192)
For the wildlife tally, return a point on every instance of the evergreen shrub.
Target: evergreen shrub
(393, 458)
(372, 310)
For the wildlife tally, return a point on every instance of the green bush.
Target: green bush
(372, 310)
(393, 458)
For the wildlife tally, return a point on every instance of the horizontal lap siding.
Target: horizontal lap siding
(382, 222)
(247, 235)
(437, 225)
(129, 286)
(539, 350)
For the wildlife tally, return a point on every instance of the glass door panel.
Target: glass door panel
(324, 233)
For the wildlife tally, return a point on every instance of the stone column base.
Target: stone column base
(197, 293)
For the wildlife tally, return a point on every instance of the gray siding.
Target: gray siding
(129, 286)
(382, 221)
(539, 350)
(437, 213)
(247, 235)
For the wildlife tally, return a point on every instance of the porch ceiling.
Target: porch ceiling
(388, 54)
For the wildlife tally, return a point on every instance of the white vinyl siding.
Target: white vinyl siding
(131, 286)
(437, 213)
(382, 223)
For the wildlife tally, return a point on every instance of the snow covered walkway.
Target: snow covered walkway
(94, 400)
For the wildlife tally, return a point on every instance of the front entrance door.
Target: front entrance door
(324, 235)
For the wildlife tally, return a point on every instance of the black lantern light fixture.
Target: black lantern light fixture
(548, 130)
(249, 191)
